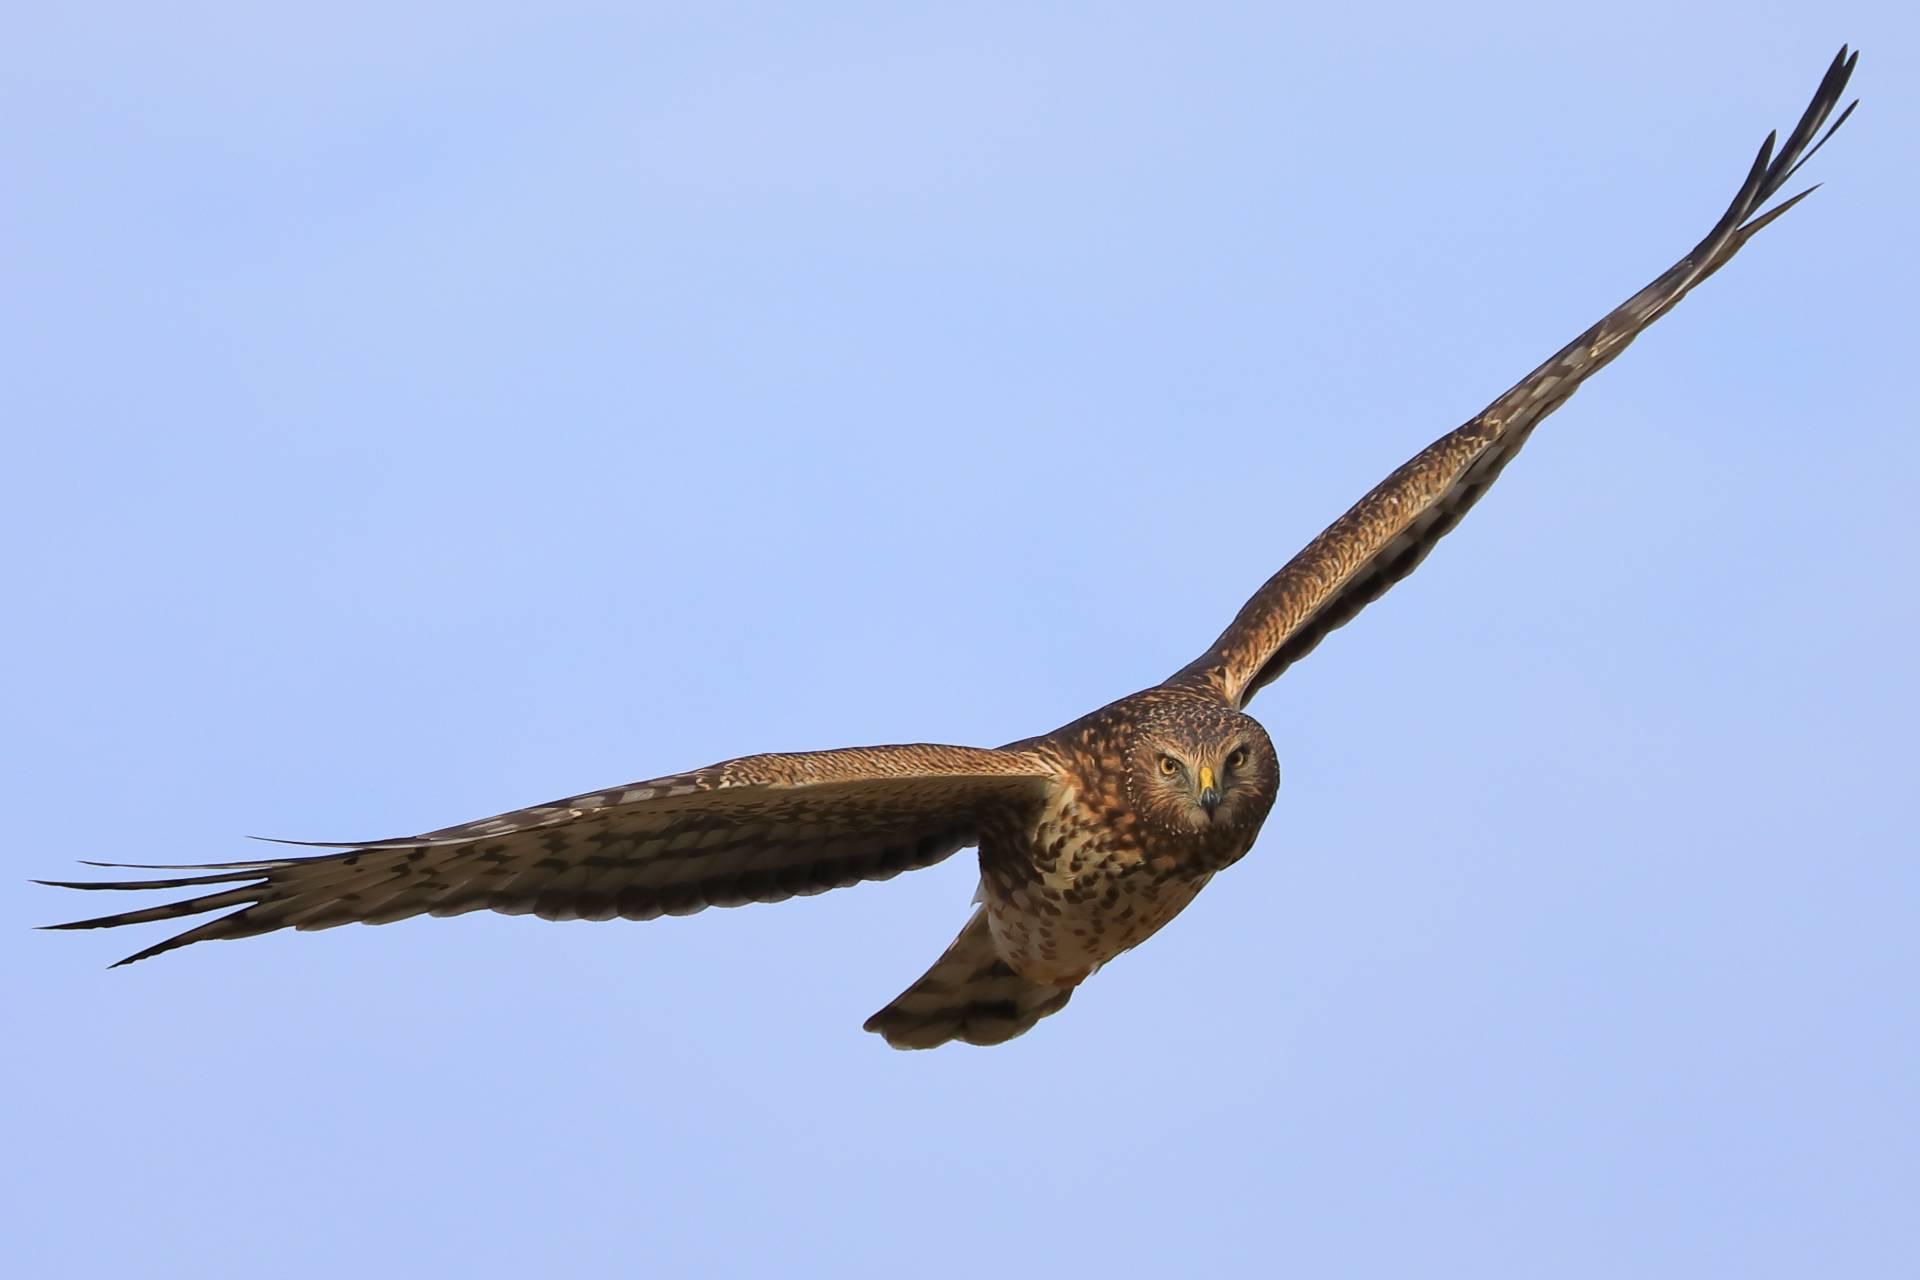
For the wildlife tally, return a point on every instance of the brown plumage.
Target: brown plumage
(1091, 837)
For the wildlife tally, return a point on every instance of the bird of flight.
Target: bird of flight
(1090, 837)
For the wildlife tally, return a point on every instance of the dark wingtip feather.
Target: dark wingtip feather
(399, 842)
(1771, 170)
(231, 925)
(145, 954)
(1831, 130)
(183, 866)
(138, 956)
(176, 882)
(1749, 228)
(1797, 150)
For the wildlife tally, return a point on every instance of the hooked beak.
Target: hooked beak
(1209, 794)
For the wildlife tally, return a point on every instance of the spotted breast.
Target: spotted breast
(1098, 868)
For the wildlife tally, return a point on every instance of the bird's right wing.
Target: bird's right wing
(756, 829)
(1388, 532)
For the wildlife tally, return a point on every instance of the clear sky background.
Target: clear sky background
(412, 415)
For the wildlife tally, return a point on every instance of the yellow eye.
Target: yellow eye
(1169, 766)
(1238, 758)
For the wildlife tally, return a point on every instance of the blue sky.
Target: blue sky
(412, 416)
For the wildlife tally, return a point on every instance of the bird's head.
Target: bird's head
(1197, 766)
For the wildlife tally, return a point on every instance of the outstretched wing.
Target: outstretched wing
(757, 829)
(1388, 532)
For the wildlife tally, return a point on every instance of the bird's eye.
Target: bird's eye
(1169, 766)
(1237, 759)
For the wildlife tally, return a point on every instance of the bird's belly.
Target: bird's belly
(1060, 927)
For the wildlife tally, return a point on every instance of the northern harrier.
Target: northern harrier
(1090, 837)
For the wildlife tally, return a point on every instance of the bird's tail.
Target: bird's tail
(970, 994)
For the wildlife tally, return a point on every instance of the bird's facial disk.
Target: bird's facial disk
(1203, 784)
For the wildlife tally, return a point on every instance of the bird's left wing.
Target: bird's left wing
(756, 829)
(1388, 532)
